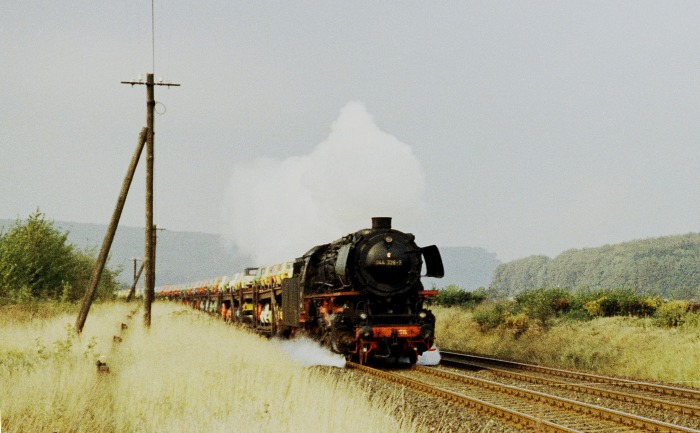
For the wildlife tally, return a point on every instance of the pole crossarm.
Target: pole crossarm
(143, 83)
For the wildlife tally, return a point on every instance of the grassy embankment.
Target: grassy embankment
(189, 373)
(623, 346)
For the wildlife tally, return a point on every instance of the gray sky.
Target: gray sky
(527, 127)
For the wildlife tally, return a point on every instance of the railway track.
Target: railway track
(528, 409)
(667, 403)
(689, 394)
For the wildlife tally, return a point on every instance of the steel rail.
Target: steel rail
(508, 415)
(680, 408)
(626, 419)
(691, 394)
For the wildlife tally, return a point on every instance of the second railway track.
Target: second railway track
(687, 394)
(515, 401)
(659, 401)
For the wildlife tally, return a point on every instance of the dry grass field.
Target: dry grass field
(193, 373)
(189, 373)
(623, 346)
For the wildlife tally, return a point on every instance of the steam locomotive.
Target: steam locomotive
(360, 295)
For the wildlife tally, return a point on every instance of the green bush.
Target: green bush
(37, 263)
(619, 302)
(454, 295)
(543, 304)
(490, 317)
(624, 303)
(671, 314)
(518, 323)
(594, 308)
(577, 313)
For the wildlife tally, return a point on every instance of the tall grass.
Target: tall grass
(19, 314)
(188, 373)
(624, 346)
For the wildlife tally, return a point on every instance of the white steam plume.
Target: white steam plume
(430, 357)
(308, 353)
(276, 210)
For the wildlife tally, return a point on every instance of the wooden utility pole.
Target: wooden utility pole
(149, 278)
(135, 259)
(109, 236)
(154, 241)
(137, 275)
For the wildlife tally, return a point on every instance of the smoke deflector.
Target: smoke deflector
(433, 262)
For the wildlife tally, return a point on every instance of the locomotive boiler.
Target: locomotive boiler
(362, 295)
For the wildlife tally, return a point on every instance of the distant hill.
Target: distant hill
(191, 256)
(668, 266)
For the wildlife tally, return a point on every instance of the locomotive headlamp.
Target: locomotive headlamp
(388, 239)
(422, 315)
(363, 316)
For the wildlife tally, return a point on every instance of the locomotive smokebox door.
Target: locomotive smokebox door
(433, 262)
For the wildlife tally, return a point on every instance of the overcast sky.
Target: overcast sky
(521, 127)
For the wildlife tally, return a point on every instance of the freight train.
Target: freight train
(361, 295)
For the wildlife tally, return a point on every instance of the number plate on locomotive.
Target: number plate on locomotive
(388, 262)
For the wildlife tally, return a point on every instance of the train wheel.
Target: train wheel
(412, 355)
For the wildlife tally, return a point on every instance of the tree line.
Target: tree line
(667, 266)
(37, 263)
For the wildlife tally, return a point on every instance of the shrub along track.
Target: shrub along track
(524, 408)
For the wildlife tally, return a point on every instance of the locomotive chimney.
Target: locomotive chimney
(381, 223)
